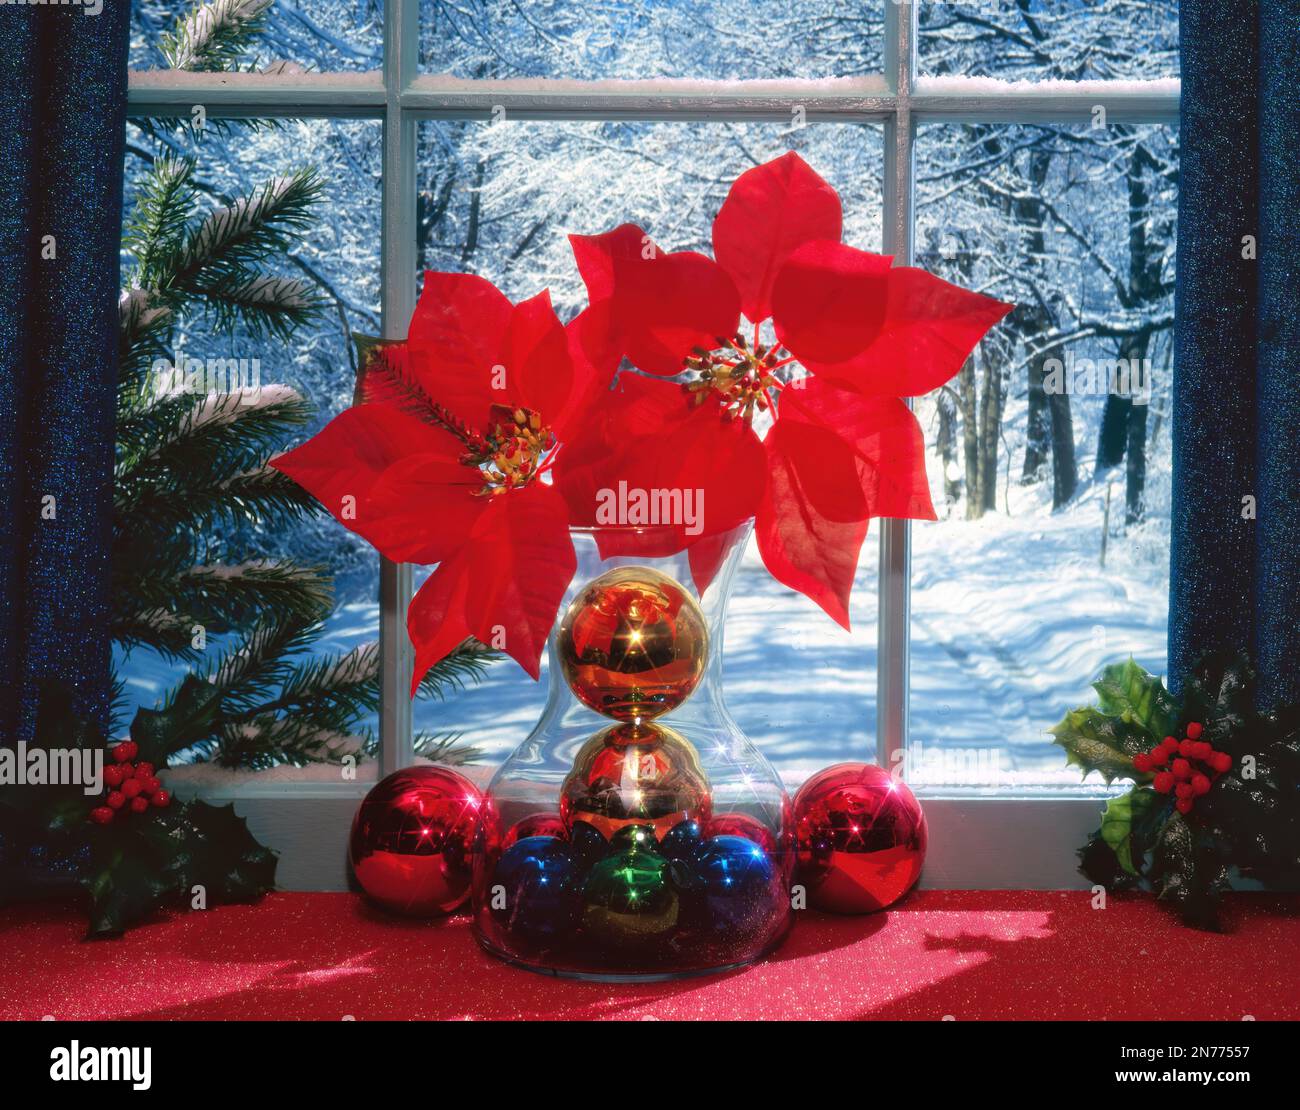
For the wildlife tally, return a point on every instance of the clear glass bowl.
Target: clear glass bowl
(636, 833)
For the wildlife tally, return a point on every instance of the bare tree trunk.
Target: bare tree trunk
(1065, 474)
(947, 443)
(990, 427)
(970, 441)
(1038, 431)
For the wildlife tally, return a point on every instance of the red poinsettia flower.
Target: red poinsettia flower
(444, 462)
(843, 446)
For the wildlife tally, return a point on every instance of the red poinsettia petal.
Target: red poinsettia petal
(660, 304)
(718, 467)
(828, 300)
(707, 554)
(422, 509)
(649, 458)
(539, 373)
(929, 329)
(503, 586)
(339, 465)
(770, 212)
(884, 436)
(801, 547)
(456, 343)
(638, 410)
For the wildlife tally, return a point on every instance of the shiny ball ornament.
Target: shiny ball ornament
(735, 887)
(682, 841)
(586, 846)
(628, 903)
(411, 838)
(645, 775)
(860, 837)
(539, 824)
(741, 824)
(536, 890)
(633, 644)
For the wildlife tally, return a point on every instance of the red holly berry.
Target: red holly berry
(151, 784)
(1203, 750)
(139, 804)
(1163, 782)
(1170, 744)
(1141, 762)
(1182, 769)
(101, 815)
(1183, 790)
(1194, 731)
(115, 800)
(1186, 748)
(132, 787)
(1183, 805)
(113, 775)
(1200, 784)
(1221, 762)
(143, 770)
(162, 799)
(1158, 756)
(125, 751)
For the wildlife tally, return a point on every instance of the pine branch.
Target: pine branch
(465, 666)
(144, 326)
(134, 625)
(193, 503)
(264, 305)
(248, 674)
(254, 228)
(156, 228)
(443, 748)
(270, 741)
(211, 436)
(213, 36)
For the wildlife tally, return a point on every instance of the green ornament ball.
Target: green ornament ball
(627, 901)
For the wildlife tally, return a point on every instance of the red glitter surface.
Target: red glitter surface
(967, 955)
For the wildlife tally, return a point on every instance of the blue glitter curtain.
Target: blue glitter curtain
(1235, 568)
(62, 130)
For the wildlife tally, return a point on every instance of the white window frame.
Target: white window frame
(976, 841)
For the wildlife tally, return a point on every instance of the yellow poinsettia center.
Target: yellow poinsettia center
(513, 453)
(739, 374)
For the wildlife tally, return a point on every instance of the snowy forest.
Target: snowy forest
(1049, 454)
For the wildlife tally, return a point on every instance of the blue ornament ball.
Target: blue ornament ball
(683, 840)
(587, 846)
(541, 890)
(735, 886)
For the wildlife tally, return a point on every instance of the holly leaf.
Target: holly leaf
(211, 847)
(1139, 697)
(1123, 819)
(160, 733)
(1187, 872)
(1100, 866)
(1095, 742)
(123, 883)
(1219, 686)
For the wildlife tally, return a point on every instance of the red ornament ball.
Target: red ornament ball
(860, 838)
(411, 840)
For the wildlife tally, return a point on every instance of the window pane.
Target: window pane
(1046, 39)
(499, 201)
(1050, 454)
(724, 40)
(335, 258)
(312, 34)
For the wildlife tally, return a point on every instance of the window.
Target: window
(1026, 149)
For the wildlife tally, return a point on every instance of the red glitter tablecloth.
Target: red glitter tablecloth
(970, 955)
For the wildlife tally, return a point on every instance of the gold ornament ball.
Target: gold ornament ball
(633, 644)
(628, 774)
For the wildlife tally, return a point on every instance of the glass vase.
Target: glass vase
(636, 833)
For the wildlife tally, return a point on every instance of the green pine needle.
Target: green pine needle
(213, 36)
